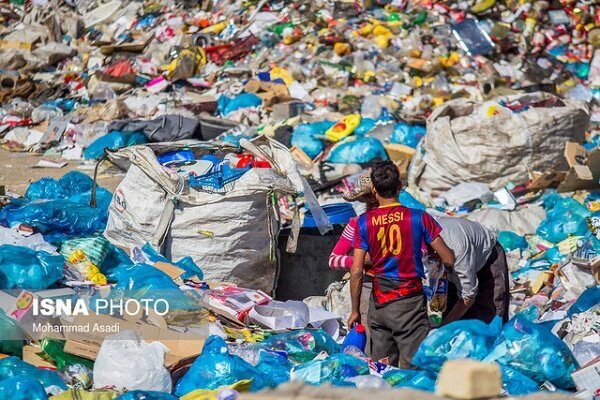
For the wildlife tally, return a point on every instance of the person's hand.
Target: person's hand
(354, 319)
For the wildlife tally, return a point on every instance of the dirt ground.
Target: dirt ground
(17, 172)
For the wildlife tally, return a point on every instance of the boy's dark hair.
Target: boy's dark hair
(386, 179)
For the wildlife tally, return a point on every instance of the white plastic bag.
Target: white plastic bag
(125, 361)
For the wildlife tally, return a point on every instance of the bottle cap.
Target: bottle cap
(360, 328)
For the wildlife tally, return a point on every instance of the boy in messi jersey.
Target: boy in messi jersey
(393, 236)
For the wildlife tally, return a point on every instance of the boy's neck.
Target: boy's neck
(383, 201)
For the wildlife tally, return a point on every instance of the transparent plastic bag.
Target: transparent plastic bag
(369, 382)
(302, 345)
(534, 351)
(584, 352)
(316, 210)
(21, 267)
(335, 369)
(216, 367)
(126, 361)
(460, 339)
(146, 395)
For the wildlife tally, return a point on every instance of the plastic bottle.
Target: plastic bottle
(440, 297)
(356, 337)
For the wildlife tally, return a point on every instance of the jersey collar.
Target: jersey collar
(390, 205)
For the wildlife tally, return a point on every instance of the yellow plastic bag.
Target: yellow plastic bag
(204, 394)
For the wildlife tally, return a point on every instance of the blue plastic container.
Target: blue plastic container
(337, 214)
(357, 337)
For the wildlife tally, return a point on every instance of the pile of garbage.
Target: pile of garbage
(234, 120)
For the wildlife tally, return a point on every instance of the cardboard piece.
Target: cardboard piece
(584, 172)
(546, 180)
(401, 156)
(31, 356)
(11, 44)
(87, 344)
(172, 270)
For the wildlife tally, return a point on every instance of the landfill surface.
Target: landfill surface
(172, 177)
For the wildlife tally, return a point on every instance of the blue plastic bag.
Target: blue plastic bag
(306, 137)
(22, 388)
(227, 105)
(534, 351)
(359, 150)
(70, 184)
(216, 367)
(113, 141)
(56, 220)
(411, 379)
(511, 241)
(588, 299)
(23, 268)
(335, 369)
(302, 345)
(424, 380)
(143, 281)
(11, 367)
(408, 135)
(460, 339)
(564, 217)
(397, 377)
(146, 395)
(366, 124)
(115, 259)
(517, 384)
(103, 198)
(186, 263)
(276, 367)
(407, 200)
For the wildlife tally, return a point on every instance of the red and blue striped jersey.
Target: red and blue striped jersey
(393, 236)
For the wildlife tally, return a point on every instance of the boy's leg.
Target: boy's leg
(411, 327)
(382, 342)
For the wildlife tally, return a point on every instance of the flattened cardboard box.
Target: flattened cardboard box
(584, 172)
(31, 356)
(88, 344)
